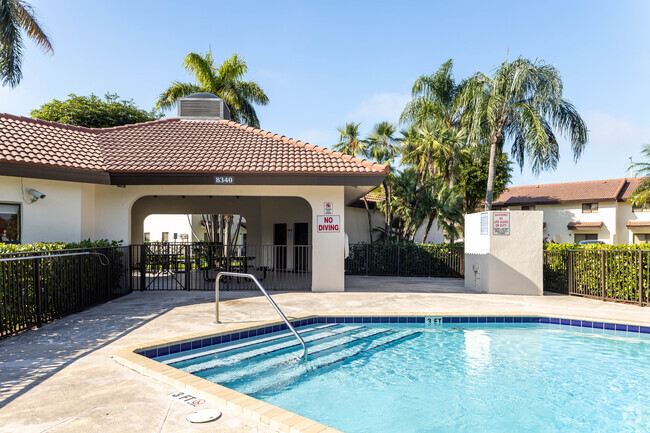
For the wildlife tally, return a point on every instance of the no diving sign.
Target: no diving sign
(328, 224)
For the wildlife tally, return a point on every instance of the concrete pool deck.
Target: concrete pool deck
(63, 378)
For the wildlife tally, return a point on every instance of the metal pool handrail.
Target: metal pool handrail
(259, 286)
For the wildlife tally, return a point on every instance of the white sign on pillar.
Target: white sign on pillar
(328, 223)
(501, 223)
(328, 208)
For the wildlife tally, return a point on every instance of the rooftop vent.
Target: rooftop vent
(203, 106)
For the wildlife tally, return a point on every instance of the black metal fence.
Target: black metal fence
(406, 260)
(39, 287)
(194, 266)
(611, 275)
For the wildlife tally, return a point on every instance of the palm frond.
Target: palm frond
(168, 98)
(27, 19)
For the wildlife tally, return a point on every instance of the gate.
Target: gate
(194, 266)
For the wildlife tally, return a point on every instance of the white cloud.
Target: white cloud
(380, 107)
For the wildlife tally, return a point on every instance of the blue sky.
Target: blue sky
(326, 63)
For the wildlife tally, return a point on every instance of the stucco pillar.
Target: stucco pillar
(328, 261)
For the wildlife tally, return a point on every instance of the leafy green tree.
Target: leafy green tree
(383, 149)
(641, 194)
(225, 81)
(473, 176)
(94, 112)
(16, 17)
(522, 104)
(445, 204)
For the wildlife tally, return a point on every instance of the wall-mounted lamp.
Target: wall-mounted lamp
(36, 195)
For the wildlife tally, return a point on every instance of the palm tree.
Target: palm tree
(522, 103)
(641, 194)
(384, 147)
(351, 144)
(225, 81)
(446, 208)
(17, 16)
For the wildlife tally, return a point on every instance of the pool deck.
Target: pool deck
(63, 378)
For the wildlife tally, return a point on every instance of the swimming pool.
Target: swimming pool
(395, 376)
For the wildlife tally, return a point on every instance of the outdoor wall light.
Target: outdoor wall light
(36, 195)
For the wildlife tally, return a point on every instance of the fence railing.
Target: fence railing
(39, 287)
(406, 260)
(194, 266)
(611, 275)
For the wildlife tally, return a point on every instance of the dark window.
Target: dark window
(165, 237)
(10, 223)
(147, 237)
(642, 238)
(586, 237)
(589, 207)
(529, 207)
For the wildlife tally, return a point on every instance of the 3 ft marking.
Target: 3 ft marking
(187, 398)
(433, 321)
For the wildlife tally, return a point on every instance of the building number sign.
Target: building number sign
(224, 180)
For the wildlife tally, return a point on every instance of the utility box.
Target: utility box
(504, 252)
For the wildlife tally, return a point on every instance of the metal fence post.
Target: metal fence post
(188, 267)
(143, 266)
(640, 279)
(602, 274)
(37, 292)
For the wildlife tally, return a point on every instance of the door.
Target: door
(301, 240)
(280, 242)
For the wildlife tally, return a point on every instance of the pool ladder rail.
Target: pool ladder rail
(259, 286)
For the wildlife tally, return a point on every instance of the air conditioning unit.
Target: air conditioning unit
(203, 106)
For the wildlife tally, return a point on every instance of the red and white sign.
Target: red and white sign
(328, 224)
(501, 223)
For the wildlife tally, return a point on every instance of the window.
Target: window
(644, 208)
(642, 238)
(10, 223)
(589, 207)
(586, 237)
(165, 236)
(147, 237)
(529, 207)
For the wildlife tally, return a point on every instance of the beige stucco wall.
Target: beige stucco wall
(626, 214)
(356, 223)
(507, 264)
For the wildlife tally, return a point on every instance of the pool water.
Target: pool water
(452, 378)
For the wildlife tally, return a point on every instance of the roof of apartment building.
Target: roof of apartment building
(167, 146)
(593, 190)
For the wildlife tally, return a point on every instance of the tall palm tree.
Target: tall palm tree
(384, 147)
(17, 16)
(225, 81)
(446, 208)
(351, 144)
(641, 194)
(522, 103)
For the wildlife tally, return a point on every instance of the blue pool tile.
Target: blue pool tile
(393, 319)
(403, 320)
(162, 351)
(482, 319)
(283, 327)
(330, 320)
(454, 320)
(565, 321)
(575, 322)
(526, 319)
(598, 325)
(412, 320)
(644, 329)
(630, 328)
(366, 320)
(174, 348)
(554, 320)
(196, 344)
(609, 326)
(186, 346)
(151, 353)
(383, 320)
(501, 319)
(587, 324)
(509, 319)
(473, 319)
(215, 340)
(535, 319)
(419, 320)
(544, 320)
(620, 327)
(518, 319)
(491, 319)
(464, 320)
(206, 342)
(446, 320)
(225, 338)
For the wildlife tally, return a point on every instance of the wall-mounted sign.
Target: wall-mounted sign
(328, 208)
(501, 223)
(484, 223)
(328, 224)
(224, 180)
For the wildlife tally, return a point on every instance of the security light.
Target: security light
(36, 194)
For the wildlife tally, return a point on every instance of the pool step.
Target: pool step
(246, 344)
(272, 361)
(288, 374)
(226, 359)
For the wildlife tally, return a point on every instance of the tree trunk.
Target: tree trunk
(418, 196)
(387, 212)
(492, 171)
(365, 202)
(432, 216)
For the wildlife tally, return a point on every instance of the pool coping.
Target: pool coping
(289, 422)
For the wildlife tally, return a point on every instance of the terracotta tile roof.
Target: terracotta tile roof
(171, 146)
(611, 189)
(637, 223)
(375, 196)
(575, 225)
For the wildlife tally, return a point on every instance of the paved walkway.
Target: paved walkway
(62, 378)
